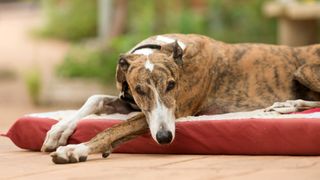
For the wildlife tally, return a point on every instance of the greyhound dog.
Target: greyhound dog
(169, 76)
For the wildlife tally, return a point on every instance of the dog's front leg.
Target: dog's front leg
(103, 143)
(60, 132)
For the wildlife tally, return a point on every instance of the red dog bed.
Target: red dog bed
(251, 136)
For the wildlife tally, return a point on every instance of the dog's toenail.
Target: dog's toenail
(82, 158)
(105, 154)
(73, 159)
(59, 160)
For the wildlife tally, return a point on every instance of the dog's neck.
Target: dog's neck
(195, 77)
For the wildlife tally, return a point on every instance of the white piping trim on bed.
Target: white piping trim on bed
(59, 115)
(258, 114)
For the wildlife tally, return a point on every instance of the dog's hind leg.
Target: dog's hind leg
(60, 132)
(291, 106)
(309, 76)
(103, 143)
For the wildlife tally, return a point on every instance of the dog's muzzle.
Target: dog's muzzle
(164, 137)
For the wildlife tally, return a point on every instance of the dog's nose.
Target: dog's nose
(164, 137)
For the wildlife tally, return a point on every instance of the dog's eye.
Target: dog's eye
(139, 90)
(170, 86)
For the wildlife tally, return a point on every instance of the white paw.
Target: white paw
(72, 153)
(57, 136)
(285, 107)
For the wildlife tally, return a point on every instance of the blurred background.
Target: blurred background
(54, 54)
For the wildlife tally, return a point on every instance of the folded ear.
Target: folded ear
(123, 66)
(175, 50)
(123, 63)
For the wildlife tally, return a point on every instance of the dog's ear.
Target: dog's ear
(123, 63)
(175, 50)
(122, 68)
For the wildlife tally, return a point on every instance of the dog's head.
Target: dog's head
(150, 75)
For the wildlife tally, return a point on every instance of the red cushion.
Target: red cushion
(246, 136)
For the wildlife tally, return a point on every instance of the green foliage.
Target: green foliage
(70, 19)
(225, 20)
(33, 83)
(89, 63)
(99, 64)
(141, 18)
(240, 21)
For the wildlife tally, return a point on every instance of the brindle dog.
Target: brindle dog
(175, 75)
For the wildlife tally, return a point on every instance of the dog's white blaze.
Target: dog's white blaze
(170, 40)
(149, 65)
(144, 51)
(161, 117)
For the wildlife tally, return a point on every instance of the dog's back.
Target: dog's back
(257, 75)
(240, 77)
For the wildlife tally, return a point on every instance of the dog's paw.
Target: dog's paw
(73, 153)
(286, 107)
(57, 136)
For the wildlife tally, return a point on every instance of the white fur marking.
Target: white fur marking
(60, 132)
(161, 116)
(149, 65)
(76, 150)
(170, 40)
(144, 51)
(165, 39)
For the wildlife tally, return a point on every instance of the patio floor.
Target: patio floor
(20, 164)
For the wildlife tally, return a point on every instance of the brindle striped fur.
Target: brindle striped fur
(214, 77)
